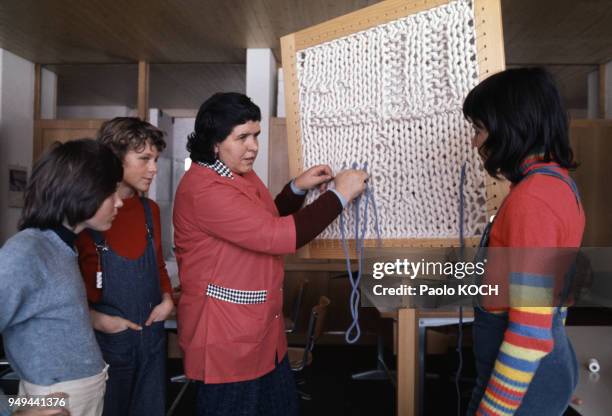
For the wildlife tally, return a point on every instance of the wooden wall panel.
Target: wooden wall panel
(143, 90)
(278, 156)
(46, 132)
(592, 145)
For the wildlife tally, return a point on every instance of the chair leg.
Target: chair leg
(178, 398)
(381, 372)
(300, 384)
(304, 396)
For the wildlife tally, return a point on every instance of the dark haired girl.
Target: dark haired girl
(44, 317)
(525, 362)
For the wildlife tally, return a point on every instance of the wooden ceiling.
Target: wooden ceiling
(569, 36)
(177, 31)
(172, 86)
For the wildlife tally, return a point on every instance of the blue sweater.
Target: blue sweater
(44, 317)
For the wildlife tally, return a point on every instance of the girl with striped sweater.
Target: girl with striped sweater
(525, 362)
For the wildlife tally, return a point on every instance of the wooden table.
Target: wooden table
(409, 330)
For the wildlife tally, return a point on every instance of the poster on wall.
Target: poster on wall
(18, 178)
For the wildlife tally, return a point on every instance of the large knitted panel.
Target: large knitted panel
(391, 96)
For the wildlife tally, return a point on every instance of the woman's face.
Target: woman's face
(239, 149)
(104, 216)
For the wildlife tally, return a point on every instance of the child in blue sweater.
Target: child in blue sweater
(44, 316)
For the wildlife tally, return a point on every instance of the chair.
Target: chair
(291, 322)
(300, 358)
(186, 382)
(170, 325)
(5, 369)
(6, 372)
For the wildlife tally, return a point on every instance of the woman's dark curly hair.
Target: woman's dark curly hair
(215, 121)
(521, 109)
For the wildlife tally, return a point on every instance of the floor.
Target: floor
(335, 393)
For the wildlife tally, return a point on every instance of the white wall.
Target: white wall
(182, 128)
(48, 91)
(161, 189)
(94, 111)
(16, 129)
(608, 100)
(593, 94)
(280, 94)
(261, 86)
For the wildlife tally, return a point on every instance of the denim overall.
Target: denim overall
(555, 379)
(136, 359)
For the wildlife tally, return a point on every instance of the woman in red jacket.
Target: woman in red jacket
(230, 237)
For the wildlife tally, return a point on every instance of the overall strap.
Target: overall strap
(544, 170)
(148, 217)
(97, 237)
(101, 246)
(549, 171)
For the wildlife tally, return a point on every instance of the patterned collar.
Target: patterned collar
(218, 167)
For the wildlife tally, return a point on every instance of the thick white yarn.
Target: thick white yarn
(392, 96)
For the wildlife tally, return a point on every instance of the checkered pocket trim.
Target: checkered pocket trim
(242, 297)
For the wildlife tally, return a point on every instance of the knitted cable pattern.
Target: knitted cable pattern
(391, 96)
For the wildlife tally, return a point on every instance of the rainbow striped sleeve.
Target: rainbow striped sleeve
(527, 340)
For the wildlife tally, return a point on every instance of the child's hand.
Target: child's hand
(39, 411)
(161, 311)
(111, 324)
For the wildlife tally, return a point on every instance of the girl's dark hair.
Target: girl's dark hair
(522, 111)
(122, 134)
(70, 181)
(215, 121)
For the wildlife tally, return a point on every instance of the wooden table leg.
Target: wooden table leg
(407, 363)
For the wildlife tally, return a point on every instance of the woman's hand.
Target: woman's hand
(351, 183)
(161, 311)
(111, 324)
(318, 175)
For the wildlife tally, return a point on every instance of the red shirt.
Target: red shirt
(128, 238)
(539, 211)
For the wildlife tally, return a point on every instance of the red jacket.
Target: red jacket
(229, 242)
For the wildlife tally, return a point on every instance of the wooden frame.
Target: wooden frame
(48, 131)
(143, 90)
(490, 55)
